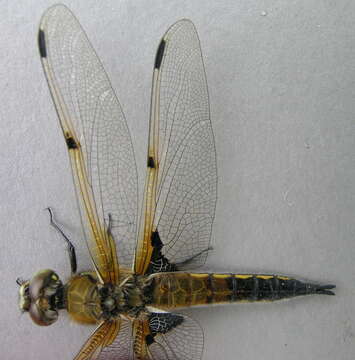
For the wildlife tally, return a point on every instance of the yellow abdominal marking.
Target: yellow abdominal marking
(221, 276)
(239, 276)
(199, 276)
(265, 277)
(283, 278)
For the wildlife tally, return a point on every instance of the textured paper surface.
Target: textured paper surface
(281, 79)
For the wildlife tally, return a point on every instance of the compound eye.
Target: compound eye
(43, 281)
(42, 317)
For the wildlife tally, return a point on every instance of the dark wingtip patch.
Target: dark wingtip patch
(42, 44)
(71, 143)
(151, 163)
(159, 55)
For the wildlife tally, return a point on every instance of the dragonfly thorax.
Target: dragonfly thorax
(134, 288)
(112, 301)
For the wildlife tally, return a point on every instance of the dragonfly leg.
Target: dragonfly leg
(71, 248)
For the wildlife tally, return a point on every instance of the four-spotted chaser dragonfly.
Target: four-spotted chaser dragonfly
(140, 274)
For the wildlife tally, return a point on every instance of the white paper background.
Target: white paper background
(281, 78)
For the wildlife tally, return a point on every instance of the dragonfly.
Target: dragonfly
(144, 266)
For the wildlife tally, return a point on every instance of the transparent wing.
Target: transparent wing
(103, 336)
(122, 347)
(187, 182)
(110, 341)
(158, 336)
(181, 183)
(98, 140)
(175, 337)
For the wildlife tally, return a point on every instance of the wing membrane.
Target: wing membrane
(168, 336)
(103, 336)
(160, 336)
(181, 182)
(122, 347)
(97, 137)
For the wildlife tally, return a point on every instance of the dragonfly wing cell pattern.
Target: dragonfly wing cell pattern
(97, 137)
(142, 263)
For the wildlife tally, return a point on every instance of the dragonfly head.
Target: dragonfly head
(42, 297)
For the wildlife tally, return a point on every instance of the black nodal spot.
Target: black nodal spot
(149, 339)
(159, 55)
(155, 240)
(71, 143)
(151, 163)
(42, 44)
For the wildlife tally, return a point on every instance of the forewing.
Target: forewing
(103, 336)
(181, 185)
(98, 140)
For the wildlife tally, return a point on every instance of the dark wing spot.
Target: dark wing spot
(151, 163)
(42, 44)
(159, 55)
(71, 143)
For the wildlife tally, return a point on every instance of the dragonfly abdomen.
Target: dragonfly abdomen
(254, 287)
(174, 290)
